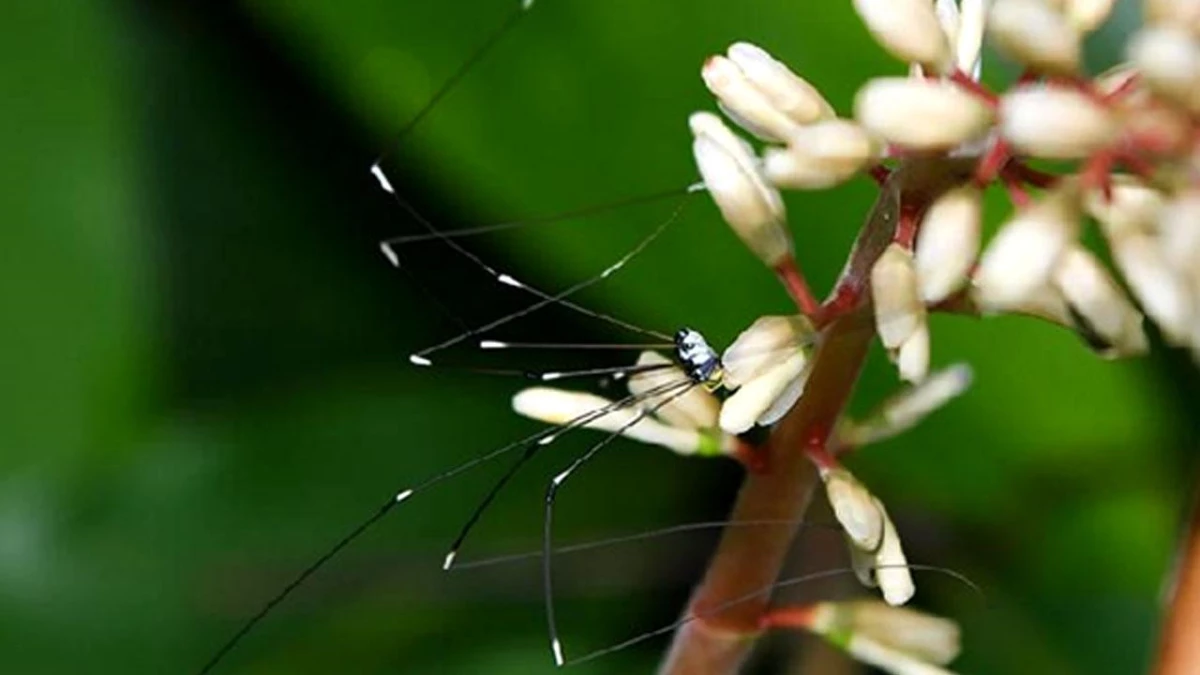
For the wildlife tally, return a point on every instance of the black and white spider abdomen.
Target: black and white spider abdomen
(699, 360)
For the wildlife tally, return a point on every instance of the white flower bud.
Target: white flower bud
(559, 407)
(889, 659)
(1022, 256)
(899, 311)
(752, 208)
(1032, 32)
(1110, 321)
(789, 93)
(930, 638)
(1084, 15)
(948, 242)
(1132, 207)
(1183, 13)
(697, 408)
(760, 400)
(921, 114)
(1162, 292)
(912, 358)
(1179, 232)
(908, 29)
(969, 47)
(855, 509)
(1056, 123)
(820, 155)
(767, 341)
(743, 102)
(906, 409)
(891, 566)
(1168, 58)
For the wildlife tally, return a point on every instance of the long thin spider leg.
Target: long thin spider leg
(532, 449)
(642, 536)
(560, 298)
(671, 391)
(784, 583)
(385, 508)
(391, 242)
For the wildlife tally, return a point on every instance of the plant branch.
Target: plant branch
(1178, 649)
(750, 559)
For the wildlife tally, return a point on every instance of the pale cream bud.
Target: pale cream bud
(921, 114)
(969, 47)
(697, 408)
(768, 340)
(889, 659)
(948, 242)
(906, 409)
(789, 93)
(1184, 13)
(912, 358)
(1056, 123)
(761, 400)
(1131, 207)
(560, 407)
(820, 155)
(1022, 256)
(933, 639)
(1179, 232)
(908, 29)
(743, 102)
(1032, 32)
(855, 509)
(1168, 58)
(899, 311)
(891, 566)
(1084, 15)
(1109, 321)
(1163, 293)
(731, 174)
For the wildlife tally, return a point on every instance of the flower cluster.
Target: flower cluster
(1121, 150)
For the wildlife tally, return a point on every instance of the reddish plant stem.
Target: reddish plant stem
(1179, 648)
(797, 286)
(749, 560)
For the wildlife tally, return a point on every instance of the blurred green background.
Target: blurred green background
(205, 357)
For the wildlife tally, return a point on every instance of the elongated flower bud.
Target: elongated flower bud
(743, 102)
(855, 509)
(1184, 13)
(1084, 15)
(787, 94)
(906, 409)
(820, 155)
(908, 29)
(1108, 318)
(948, 243)
(1056, 123)
(1179, 232)
(933, 639)
(1162, 293)
(891, 566)
(760, 400)
(752, 208)
(1032, 32)
(766, 342)
(899, 311)
(889, 659)
(695, 409)
(1168, 58)
(557, 406)
(920, 114)
(969, 43)
(1023, 254)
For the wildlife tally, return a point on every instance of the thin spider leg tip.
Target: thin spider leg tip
(556, 647)
(389, 253)
(380, 176)
(492, 344)
(448, 562)
(418, 360)
(403, 495)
